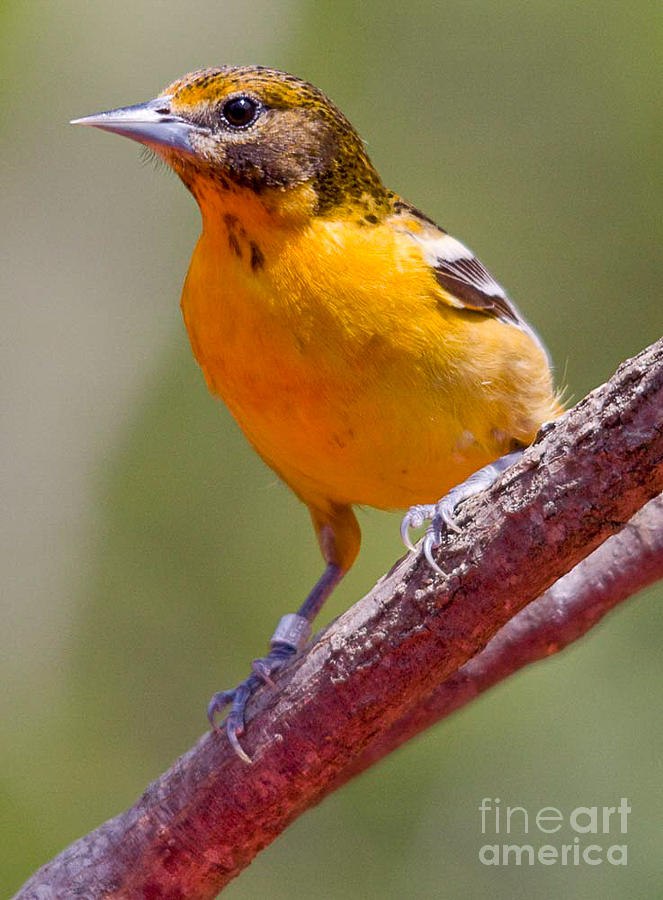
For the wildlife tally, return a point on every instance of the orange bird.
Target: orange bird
(367, 355)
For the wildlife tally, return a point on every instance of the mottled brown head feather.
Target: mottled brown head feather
(298, 136)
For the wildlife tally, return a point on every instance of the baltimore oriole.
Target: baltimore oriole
(368, 356)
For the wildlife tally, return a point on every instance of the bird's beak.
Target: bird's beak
(149, 123)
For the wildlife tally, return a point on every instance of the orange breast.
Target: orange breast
(344, 372)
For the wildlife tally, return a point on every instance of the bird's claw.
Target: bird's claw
(263, 669)
(431, 541)
(237, 699)
(415, 517)
(444, 511)
(441, 517)
(264, 672)
(441, 514)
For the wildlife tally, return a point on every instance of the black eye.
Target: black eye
(240, 111)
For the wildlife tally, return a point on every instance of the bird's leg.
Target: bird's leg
(441, 514)
(291, 635)
(338, 534)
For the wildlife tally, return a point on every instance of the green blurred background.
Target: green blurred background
(147, 553)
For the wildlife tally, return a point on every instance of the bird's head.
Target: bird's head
(238, 128)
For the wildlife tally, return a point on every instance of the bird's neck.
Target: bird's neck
(348, 188)
(274, 210)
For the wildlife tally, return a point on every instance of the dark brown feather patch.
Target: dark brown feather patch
(462, 279)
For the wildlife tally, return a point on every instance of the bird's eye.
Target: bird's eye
(240, 111)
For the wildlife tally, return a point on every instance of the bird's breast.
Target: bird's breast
(339, 366)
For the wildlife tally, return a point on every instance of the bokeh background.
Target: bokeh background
(147, 552)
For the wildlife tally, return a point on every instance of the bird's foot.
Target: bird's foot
(291, 634)
(441, 515)
(237, 698)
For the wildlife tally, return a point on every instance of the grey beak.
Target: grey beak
(149, 123)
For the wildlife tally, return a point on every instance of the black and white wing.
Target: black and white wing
(465, 281)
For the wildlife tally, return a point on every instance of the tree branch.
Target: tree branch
(625, 564)
(369, 672)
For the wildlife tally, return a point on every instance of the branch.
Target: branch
(204, 820)
(625, 564)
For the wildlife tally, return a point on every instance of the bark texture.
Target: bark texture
(358, 691)
(626, 563)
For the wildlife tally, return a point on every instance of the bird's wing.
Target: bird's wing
(465, 281)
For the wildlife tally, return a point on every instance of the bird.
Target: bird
(368, 356)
